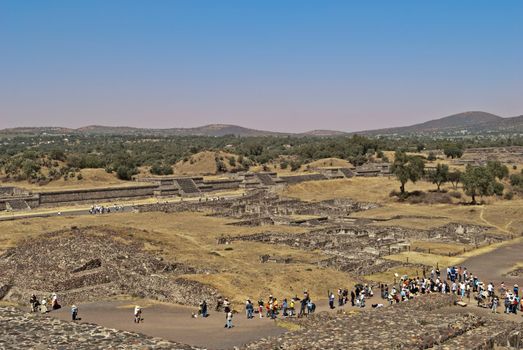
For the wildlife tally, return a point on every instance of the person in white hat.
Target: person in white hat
(137, 314)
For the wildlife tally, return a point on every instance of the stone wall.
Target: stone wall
(223, 184)
(96, 194)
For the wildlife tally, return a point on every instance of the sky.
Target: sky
(279, 65)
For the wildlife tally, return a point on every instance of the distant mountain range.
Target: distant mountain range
(467, 123)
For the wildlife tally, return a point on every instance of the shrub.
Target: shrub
(125, 172)
(161, 169)
(220, 166)
(295, 165)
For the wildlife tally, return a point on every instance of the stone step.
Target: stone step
(478, 338)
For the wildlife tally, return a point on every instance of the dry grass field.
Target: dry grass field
(191, 238)
(502, 215)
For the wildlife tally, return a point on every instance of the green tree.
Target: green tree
(454, 177)
(30, 168)
(161, 169)
(57, 154)
(125, 172)
(453, 150)
(295, 165)
(440, 175)
(497, 169)
(220, 166)
(407, 168)
(479, 181)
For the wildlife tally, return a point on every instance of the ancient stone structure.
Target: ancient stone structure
(94, 263)
(480, 156)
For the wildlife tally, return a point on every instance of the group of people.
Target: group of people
(48, 304)
(271, 309)
(100, 209)
(487, 297)
(44, 305)
(458, 281)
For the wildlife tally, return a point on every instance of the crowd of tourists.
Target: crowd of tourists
(271, 309)
(456, 280)
(460, 282)
(100, 209)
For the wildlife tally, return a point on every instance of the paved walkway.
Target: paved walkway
(493, 266)
(176, 324)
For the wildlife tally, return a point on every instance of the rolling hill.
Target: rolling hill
(476, 120)
(466, 123)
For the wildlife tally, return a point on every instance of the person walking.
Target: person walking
(228, 323)
(137, 314)
(204, 309)
(261, 304)
(495, 302)
(74, 313)
(249, 308)
(331, 300)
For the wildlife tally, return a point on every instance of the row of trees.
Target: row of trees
(476, 180)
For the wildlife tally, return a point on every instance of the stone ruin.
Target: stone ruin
(352, 246)
(360, 249)
(261, 207)
(481, 155)
(94, 263)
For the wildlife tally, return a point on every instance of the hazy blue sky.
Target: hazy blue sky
(279, 65)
